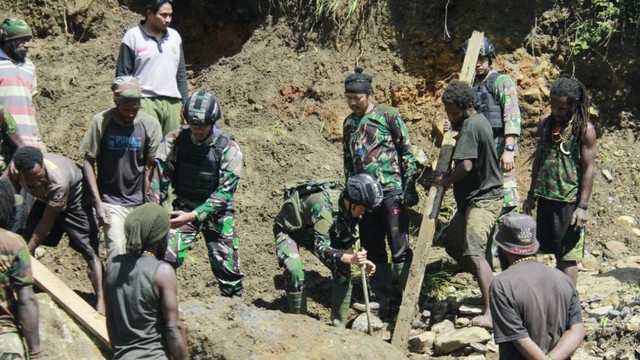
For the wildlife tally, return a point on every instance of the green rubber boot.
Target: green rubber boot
(297, 302)
(340, 302)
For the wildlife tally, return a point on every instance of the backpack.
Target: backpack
(294, 192)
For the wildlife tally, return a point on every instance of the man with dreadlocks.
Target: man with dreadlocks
(562, 175)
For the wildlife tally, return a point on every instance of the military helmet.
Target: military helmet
(201, 109)
(363, 189)
(486, 48)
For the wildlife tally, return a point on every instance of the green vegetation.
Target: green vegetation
(598, 20)
(436, 285)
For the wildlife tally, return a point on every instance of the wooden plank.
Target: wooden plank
(73, 304)
(430, 212)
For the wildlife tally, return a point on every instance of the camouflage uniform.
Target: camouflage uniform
(215, 216)
(558, 191)
(8, 128)
(378, 144)
(506, 92)
(328, 230)
(15, 263)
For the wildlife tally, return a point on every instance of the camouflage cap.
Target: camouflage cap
(13, 28)
(126, 89)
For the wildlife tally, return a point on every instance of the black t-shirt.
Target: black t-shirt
(475, 143)
(532, 300)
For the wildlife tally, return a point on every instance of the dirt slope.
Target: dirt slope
(280, 88)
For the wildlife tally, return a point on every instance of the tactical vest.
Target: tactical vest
(297, 192)
(488, 105)
(197, 166)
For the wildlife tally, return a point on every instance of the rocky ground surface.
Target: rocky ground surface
(280, 88)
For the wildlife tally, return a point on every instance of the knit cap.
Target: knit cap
(358, 82)
(126, 89)
(145, 226)
(13, 28)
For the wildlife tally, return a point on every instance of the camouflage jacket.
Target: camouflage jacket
(8, 128)
(327, 222)
(229, 174)
(378, 144)
(506, 94)
(15, 273)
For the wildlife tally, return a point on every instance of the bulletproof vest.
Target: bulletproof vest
(487, 104)
(197, 166)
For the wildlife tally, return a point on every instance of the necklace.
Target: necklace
(148, 253)
(528, 258)
(560, 134)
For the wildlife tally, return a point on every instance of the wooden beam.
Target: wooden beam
(70, 301)
(431, 209)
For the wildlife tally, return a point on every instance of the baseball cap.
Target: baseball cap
(517, 234)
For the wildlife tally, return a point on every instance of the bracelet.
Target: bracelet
(549, 357)
(583, 206)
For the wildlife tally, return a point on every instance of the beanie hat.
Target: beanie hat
(13, 28)
(126, 89)
(358, 82)
(145, 226)
(517, 234)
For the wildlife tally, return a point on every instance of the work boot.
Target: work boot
(340, 301)
(402, 271)
(381, 288)
(297, 302)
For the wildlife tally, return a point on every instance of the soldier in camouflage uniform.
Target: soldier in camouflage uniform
(18, 304)
(203, 166)
(497, 99)
(325, 222)
(562, 175)
(376, 142)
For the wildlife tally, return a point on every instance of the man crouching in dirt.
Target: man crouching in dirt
(325, 221)
(18, 304)
(60, 207)
(203, 165)
(141, 292)
(477, 188)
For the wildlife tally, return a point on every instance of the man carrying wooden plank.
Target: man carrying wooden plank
(477, 188)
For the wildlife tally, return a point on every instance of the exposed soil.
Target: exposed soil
(279, 81)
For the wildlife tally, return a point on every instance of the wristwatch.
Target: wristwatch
(510, 147)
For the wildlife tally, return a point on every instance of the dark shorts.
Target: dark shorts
(555, 233)
(77, 222)
(468, 231)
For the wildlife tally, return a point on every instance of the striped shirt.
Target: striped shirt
(18, 84)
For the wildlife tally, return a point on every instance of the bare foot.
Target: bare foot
(100, 309)
(482, 321)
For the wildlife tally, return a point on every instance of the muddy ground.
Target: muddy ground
(279, 82)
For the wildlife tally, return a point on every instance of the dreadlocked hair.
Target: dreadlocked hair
(578, 99)
(7, 201)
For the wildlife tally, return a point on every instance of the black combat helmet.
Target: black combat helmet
(201, 109)
(363, 189)
(486, 48)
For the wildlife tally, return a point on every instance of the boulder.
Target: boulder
(228, 329)
(422, 343)
(451, 341)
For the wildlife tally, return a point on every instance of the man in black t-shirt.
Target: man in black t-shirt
(477, 188)
(536, 309)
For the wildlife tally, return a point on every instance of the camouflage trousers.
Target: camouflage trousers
(288, 254)
(219, 233)
(12, 347)
(509, 185)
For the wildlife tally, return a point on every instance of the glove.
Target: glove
(410, 195)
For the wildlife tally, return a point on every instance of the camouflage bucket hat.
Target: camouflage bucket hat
(126, 89)
(13, 28)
